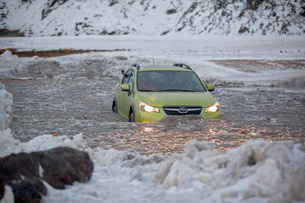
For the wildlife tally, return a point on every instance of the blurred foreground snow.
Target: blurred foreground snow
(257, 171)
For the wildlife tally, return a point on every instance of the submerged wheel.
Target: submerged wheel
(131, 116)
(114, 107)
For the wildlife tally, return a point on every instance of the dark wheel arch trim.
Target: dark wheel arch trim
(130, 113)
(114, 106)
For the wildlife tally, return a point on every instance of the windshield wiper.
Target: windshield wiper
(146, 90)
(175, 90)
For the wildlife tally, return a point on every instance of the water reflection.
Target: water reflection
(296, 83)
(170, 136)
(147, 129)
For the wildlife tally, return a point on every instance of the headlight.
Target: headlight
(147, 108)
(212, 109)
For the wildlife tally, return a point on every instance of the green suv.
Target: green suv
(153, 93)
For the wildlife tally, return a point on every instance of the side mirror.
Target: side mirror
(122, 71)
(210, 87)
(125, 87)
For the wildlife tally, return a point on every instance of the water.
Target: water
(71, 101)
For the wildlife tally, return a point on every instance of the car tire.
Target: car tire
(114, 107)
(132, 116)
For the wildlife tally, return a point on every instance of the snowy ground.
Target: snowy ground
(259, 83)
(255, 172)
(196, 51)
(171, 47)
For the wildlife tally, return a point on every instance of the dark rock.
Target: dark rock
(189, 10)
(51, 5)
(112, 33)
(171, 11)
(302, 13)
(220, 4)
(65, 165)
(165, 32)
(113, 2)
(243, 29)
(28, 190)
(58, 167)
(10, 33)
(105, 32)
(2, 183)
(254, 4)
(284, 29)
(45, 12)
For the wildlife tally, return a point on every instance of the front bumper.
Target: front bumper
(142, 116)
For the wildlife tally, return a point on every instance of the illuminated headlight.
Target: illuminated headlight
(147, 108)
(212, 109)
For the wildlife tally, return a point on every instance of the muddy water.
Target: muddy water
(82, 104)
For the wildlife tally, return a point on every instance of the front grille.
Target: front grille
(182, 110)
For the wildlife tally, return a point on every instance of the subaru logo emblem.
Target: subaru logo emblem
(182, 109)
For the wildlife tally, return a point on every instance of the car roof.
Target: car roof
(163, 68)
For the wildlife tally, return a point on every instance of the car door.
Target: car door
(121, 94)
(128, 96)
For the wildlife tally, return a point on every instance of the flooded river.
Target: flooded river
(69, 102)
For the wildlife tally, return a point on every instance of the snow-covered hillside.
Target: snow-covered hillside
(145, 17)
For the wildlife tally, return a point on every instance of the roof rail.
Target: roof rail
(182, 65)
(136, 65)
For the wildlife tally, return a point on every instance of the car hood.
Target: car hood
(160, 99)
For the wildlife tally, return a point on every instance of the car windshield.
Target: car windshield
(169, 81)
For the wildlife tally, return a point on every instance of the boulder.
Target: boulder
(60, 166)
(28, 190)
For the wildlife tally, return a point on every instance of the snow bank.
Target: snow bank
(11, 64)
(256, 171)
(7, 143)
(8, 63)
(6, 101)
(10, 145)
(70, 66)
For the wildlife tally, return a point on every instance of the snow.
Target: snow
(41, 18)
(6, 102)
(8, 195)
(190, 47)
(257, 171)
(196, 51)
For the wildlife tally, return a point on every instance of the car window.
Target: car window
(169, 81)
(126, 77)
(131, 81)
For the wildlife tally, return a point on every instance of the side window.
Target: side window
(126, 77)
(131, 81)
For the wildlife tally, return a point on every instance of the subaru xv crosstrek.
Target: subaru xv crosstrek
(152, 93)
